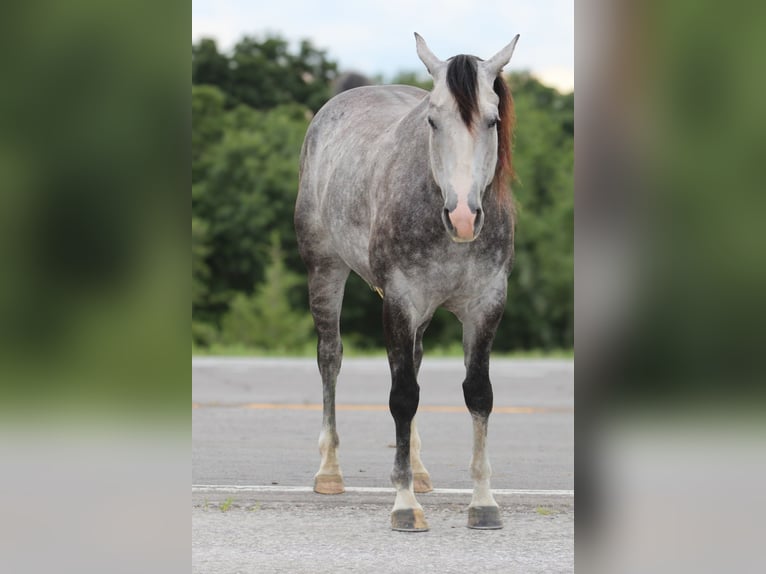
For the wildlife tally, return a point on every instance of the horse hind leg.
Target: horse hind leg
(421, 477)
(326, 283)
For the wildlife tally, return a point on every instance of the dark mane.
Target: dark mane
(463, 84)
(504, 174)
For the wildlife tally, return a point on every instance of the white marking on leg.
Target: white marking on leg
(387, 490)
(480, 467)
(416, 463)
(405, 498)
(328, 448)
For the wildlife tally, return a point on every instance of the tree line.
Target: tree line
(250, 110)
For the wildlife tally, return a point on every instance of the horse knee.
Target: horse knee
(403, 401)
(478, 395)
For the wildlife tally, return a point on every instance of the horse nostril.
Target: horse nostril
(445, 218)
(479, 216)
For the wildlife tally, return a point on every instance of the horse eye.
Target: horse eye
(492, 123)
(431, 123)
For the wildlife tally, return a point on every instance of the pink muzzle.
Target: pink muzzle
(463, 220)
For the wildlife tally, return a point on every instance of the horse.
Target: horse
(411, 190)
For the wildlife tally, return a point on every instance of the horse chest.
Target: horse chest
(437, 270)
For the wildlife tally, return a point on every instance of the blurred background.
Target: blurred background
(671, 276)
(256, 87)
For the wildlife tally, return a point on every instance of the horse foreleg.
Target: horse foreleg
(478, 334)
(407, 514)
(483, 512)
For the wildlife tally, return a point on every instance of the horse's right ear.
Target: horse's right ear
(433, 64)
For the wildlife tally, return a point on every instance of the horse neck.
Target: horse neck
(413, 123)
(413, 129)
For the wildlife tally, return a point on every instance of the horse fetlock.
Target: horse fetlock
(481, 470)
(401, 477)
(422, 482)
(328, 440)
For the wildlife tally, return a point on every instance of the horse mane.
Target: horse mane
(463, 84)
(504, 173)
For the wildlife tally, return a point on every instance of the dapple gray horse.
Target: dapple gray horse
(409, 189)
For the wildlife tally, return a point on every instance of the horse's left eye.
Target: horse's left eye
(492, 123)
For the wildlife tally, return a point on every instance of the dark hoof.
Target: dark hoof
(328, 484)
(422, 482)
(484, 518)
(408, 520)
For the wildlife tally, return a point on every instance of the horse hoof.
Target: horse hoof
(484, 518)
(328, 484)
(408, 520)
(422, 482)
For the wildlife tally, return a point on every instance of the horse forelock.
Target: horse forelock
(463, 85)
(462, 80)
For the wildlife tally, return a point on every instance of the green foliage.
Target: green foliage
(413, 79)
(266, 319)
(248, 191)
(207, 126)
(540, 308)
(250, 112)
(264, 74)
(200, 270)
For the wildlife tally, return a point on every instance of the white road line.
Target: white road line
(202, 488)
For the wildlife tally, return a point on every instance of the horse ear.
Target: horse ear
(432, 63)
(497, 62)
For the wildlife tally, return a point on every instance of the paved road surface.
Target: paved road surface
(254, 453)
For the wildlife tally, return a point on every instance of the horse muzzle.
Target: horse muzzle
(462, 223)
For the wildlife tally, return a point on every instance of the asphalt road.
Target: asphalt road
(254, 454)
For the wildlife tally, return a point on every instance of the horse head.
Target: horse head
(469, 117)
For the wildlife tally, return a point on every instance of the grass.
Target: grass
(451, 351)
(226, 504)
(542, 511)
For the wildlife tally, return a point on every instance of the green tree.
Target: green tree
(264, 73)
(207, 126)
(540, 308)
(249, 191)
(209, 66)
(266, 319)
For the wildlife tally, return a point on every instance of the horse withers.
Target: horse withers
(410, 190)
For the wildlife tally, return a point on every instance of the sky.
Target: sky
(376, 36)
